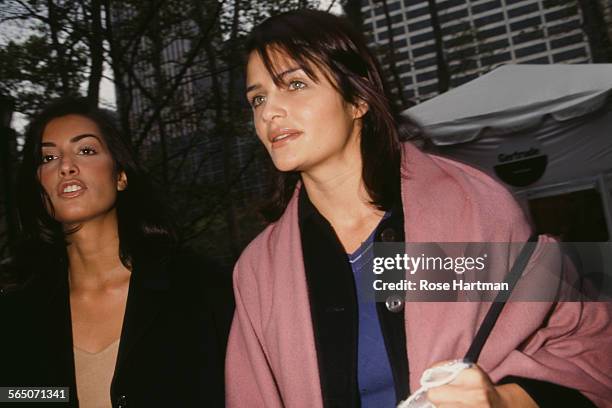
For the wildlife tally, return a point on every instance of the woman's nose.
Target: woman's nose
(68, 167)
(273, 108)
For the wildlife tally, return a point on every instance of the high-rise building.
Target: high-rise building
(477, 36)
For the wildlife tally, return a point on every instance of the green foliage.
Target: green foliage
(31, 74)
(51, 59)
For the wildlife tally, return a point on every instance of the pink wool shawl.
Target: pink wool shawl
(271, 358)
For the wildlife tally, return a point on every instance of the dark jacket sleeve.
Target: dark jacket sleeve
(549, 395)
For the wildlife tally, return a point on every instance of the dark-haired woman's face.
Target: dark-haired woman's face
(304, 124)
(77, 171)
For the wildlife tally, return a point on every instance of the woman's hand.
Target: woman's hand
(473, 388)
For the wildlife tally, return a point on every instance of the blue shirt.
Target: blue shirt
(374, 375)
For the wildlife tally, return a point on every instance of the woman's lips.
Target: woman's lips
(72, 194)
(284, 138)
(71, 189)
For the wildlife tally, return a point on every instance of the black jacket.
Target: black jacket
(333, 305)
(172, 346)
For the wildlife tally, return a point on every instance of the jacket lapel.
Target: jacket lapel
(148, 284)
(334, 311)
(53, 301)
(392, 326)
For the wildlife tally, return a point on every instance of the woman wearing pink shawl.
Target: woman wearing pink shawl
(302, 335)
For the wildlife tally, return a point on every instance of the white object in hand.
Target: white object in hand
(434, 377)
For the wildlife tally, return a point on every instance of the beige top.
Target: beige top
(94, 373)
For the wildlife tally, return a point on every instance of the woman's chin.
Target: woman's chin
(72, 218)
(286, 165)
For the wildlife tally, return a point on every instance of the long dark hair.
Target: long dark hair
(316, 38)
(143, 226)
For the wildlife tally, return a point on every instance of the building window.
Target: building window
(392, 6)
(398, 31)
(397, 18)
(404, 69)
(528, 36)
(565, 27)
(495, 45)
(491, 32)
(496, 59)
(449, 4)
(561, 14)
(419, 25)
(519, 11)
(570, 55)
(455, 15)
(540, 60)
(493, 18)
(400, 43)
(429, 62)
(481, 8)
(569, 40)
(462, 27)
(426, 76)
(418, 52)
(428, 89)
(527, 23)
(534, 49)
(422, 37)
(462, 54)
(413, 14)
(509, 2)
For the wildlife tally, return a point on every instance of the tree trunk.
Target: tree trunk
(595, 28)
(123, 99)
(442, 65)
(391, 54)
(352, 8)
(59, 49)
(159, 92)
(97, 53)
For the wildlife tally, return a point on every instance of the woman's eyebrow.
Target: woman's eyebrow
(72, 140)
(287, 72)
(279, 77)
(252, 87)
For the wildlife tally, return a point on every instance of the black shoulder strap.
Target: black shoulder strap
(500, 300)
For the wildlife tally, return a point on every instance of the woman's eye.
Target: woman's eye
(87, 151)
(257, 100)
(294, 85)
(47, 158)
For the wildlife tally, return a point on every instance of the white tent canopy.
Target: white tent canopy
(512, 98)
(558, 117)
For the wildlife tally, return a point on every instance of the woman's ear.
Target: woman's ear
(360, 109)
(122, 182)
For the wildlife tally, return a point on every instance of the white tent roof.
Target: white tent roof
(513, 98)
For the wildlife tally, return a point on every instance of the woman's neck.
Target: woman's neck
(341, 197)
(93, 255)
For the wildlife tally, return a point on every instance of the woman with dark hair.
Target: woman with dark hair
(106, 304)
(303, 334)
